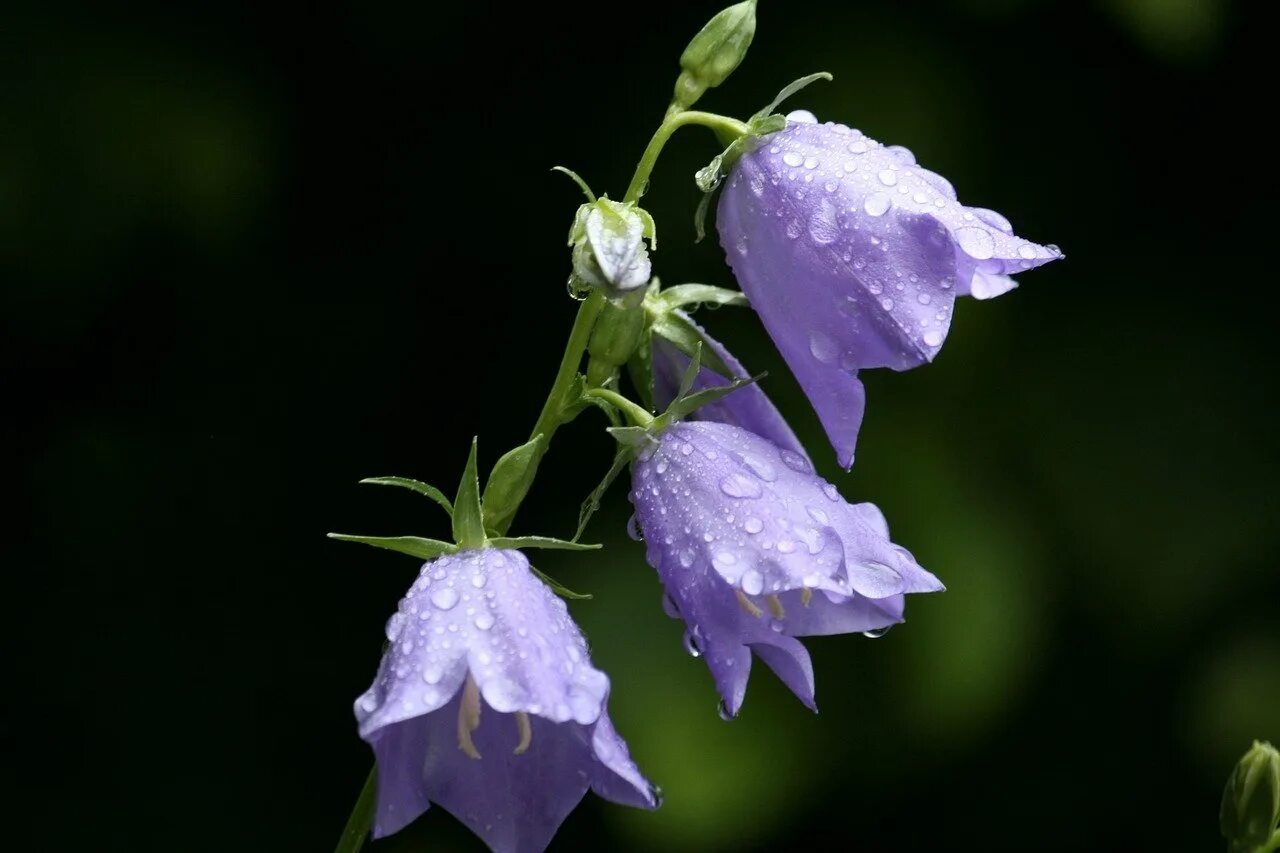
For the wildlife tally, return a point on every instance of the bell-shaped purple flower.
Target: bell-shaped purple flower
(487, 704)
(748, 407)
(852, 255)
(754, 550)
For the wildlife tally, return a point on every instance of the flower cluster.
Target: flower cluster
(486, 702)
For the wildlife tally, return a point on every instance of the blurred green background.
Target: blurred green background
(249, 255)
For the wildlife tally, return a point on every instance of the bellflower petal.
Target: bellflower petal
(853, 255)
(486, 703)
(754, 549)
(748, 407)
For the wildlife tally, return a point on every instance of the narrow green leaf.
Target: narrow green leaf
(683, 295)
(700, 218)
(586, 190)
(509, 482)
(414, 546)
(519, 542)
(468, 518)
(630, 436)
(361, 819)
(559, 588)
(415, 486)
(789, 90)
(592, 503)
(690, 372)
(685, 335)
(687, 405)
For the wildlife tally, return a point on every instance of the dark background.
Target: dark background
(248, 257)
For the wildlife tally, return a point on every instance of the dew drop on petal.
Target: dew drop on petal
(753, 525)
(686, 557)
(831, 492)
(444, 597)
(737, 486)
(432, 674)
(484, 621)
(393, 626)
(818, 515)
(976, 243)
(888, 177)
(933, 338)
(822, 347)
(877, 204)
(752, 582)
(793, 159)
(795, 461)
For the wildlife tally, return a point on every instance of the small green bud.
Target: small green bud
(1251, 801)
(616, 335)
(715, 52)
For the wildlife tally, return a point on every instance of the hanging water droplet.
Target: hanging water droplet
(633, 528)
(692, 643)
(723, 710)
(876, 633)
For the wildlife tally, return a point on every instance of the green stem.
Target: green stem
(722, 125)
(357, 828)
(552, 415)
(635, 413)
(1272, 845)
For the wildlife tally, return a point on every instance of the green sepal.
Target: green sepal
(620, 460)
(629, 436)
(787, 91)
(577, 179)
(414, 546)
(468, 517)
(640, 369)
(509, 482)
(683, 295)
(414, 486)
(684, 406)
(690, 372)
(559, 588)
(546, 542)
(685, 335)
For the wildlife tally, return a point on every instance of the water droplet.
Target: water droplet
(818, 515)
(752, 582)
(933, 338)
(432, 674)
(793, 159)
(760, 468)
(886, 304)
(831, 492)
(903, 154)
(822, 347)
(369, 704)
(858, 147)
(795, 461)
(786, 546)
(793, 229)
(444, 597)
(888, 177)
(484, 621)
(995, 220)
(811, 163)
(753, 525)
(738, 486)
(692, 643)
(478, 581)
(877, 204)
(686, 449)
(823, 228)
(393, 626)
(1026, 250)
(661, 465)
(876, 633)
(633, 528)
(924, 298)
(723, 710)
(976, 243)
(686, 557)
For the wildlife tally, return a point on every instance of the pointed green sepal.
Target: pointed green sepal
(468, 517)
(413, 486)
(577, 179)
(509, 482)
(559, 588)
(684, 406)
(685, 295)
(620, 460)
(547, 542)
(414, 546)
(787, 91)
(690, 372)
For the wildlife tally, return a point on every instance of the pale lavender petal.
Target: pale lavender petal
(852, 255)
(748, 407)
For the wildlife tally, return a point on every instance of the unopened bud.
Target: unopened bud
(715, 52)
(1251, 802)
(609, 250)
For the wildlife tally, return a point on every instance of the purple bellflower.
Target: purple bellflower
(754, 550)
(487, 704)
(853, 255)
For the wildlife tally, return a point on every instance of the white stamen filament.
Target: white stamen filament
(526, 732)
(747, 604)
(469, 717)
(775, 607)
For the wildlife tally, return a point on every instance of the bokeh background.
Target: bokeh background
(249, 255)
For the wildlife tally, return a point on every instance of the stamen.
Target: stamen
(806, 595)
(775, 607)
(748, 605)
(469, 717)
(526, 733)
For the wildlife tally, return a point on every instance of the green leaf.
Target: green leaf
(559, 588)
(414, 486)
(520, 542)
(701, 294)
(509, 482)
(687, 337)
(687, 405)
(700, 218)
(468, 517)
(630, 436)
(789, 90)
(414, 546)
(592, 503)
(586, 190)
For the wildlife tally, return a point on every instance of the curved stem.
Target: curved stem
(635, 413)
(552, 415)
(722, 125)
